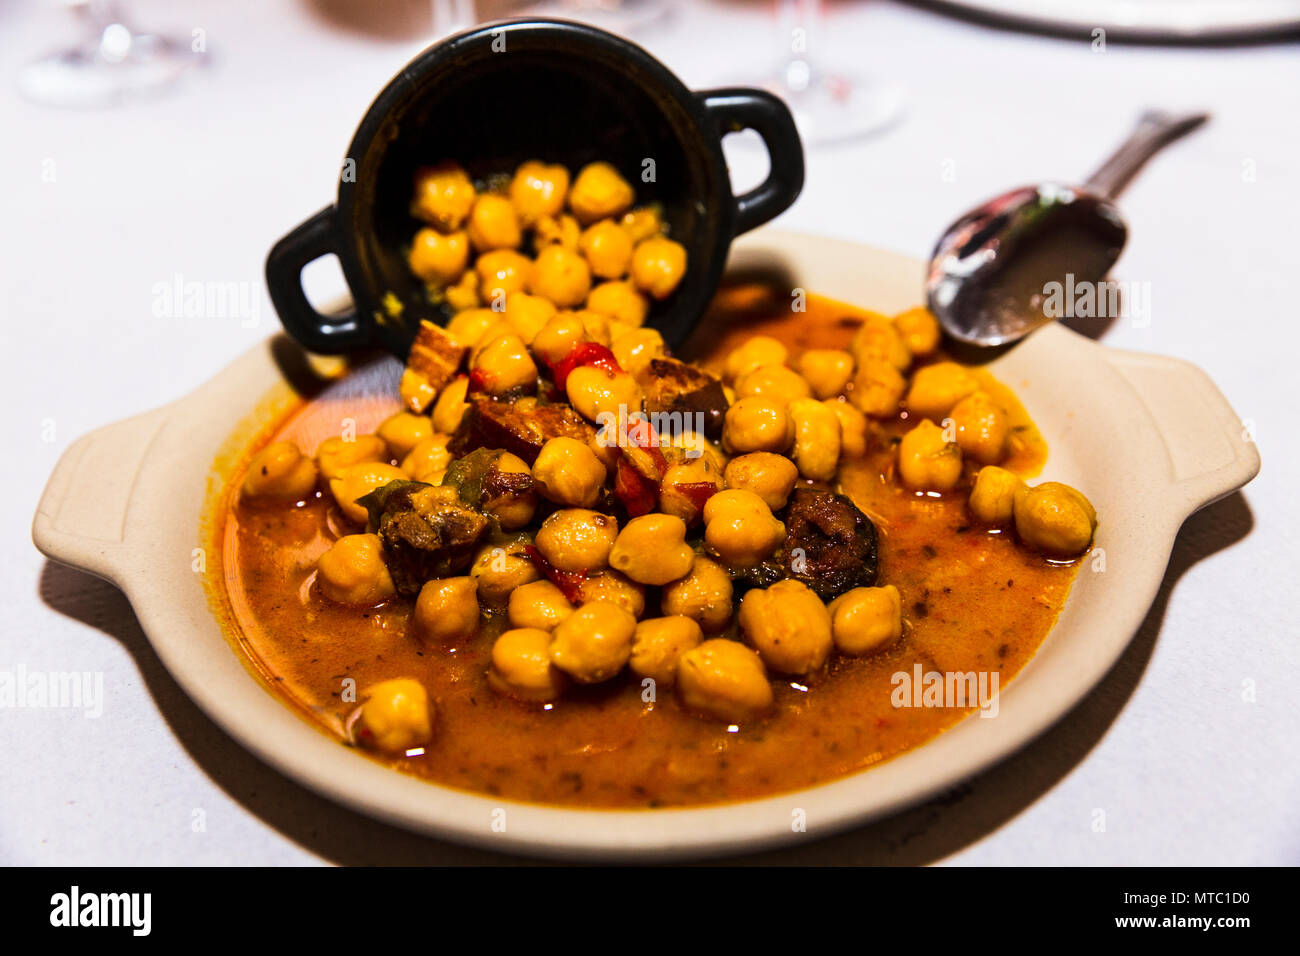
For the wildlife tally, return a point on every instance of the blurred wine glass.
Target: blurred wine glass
(830, 103)
(452, 16)
(115, 61)
(624, 17)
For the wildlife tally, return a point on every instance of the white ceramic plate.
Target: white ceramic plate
(1146, 19)
(1149, 439)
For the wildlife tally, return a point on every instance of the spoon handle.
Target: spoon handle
(1155, 130)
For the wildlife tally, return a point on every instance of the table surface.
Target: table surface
(1187, 752)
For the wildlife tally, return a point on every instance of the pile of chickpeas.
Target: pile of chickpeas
(591, 249)
(653, 595)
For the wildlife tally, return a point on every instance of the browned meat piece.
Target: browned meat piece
(480, 483)
(829, 544)
(673, 386)
(427, 532)
(521, 427)
(435, 356)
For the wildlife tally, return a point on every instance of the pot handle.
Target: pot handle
(326, 335)
(741, 108)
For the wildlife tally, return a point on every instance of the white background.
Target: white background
(200, 184)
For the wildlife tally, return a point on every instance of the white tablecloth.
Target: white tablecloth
(99, 207)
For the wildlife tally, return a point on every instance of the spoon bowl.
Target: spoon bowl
(992, 271)
(993, 274)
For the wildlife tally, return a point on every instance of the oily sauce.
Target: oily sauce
(972, 601)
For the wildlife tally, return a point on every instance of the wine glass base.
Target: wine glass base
(833, 106)
(86, 77)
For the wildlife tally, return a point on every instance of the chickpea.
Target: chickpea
(501, 273)
(599, 192)
(594, 642)
(724, 679)
(1055, 519)
(512, 505)
(428, 458)
(827, 371)
(558, 337)
(704, 595)
(853, 428)
(557, 231)
(561, 275)
(877, 388)
(575, 539)
(568, 472)
(451, 406)
(694, 446)
(757, 424)
(635, 348)
(592, 390)
(416, 392)
(528, 314)
(439, 258)
(816, 439)
(620, 301)
(614, 588)
(659, 644)
(866, 620)
(500, 568)
(397, 716)
(927, 461)
(696, 474)
(993, 498)
(769, 476)
(403, 431)
(608, 249)
(504, 365)
(463, 295)
(658, 265)
(446, 612)
(522, 668)
(751, 354)
(353, 571)
(982, 427)
(357, 481)
(539, 190)
(776, 382)
(444, 195)
(789, 625)
(539, 605)
(642, 223)
(919, 329)
(469, 327)
(652, 549)
(494, 224)
(879, 339)
(335, 454)
(599, 327)
(740, 528)
(937, 388)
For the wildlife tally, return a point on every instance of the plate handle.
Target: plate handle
(82, 516)
(1211, 449)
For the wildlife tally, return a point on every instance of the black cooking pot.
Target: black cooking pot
(504, 93)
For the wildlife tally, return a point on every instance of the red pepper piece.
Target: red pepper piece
(569, 582)
(584, 353)
(479, 381)
(696, 492)
(637, 492)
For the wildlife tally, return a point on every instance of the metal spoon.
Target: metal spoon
(988, 275)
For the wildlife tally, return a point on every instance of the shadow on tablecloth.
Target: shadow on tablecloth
(924, 834)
